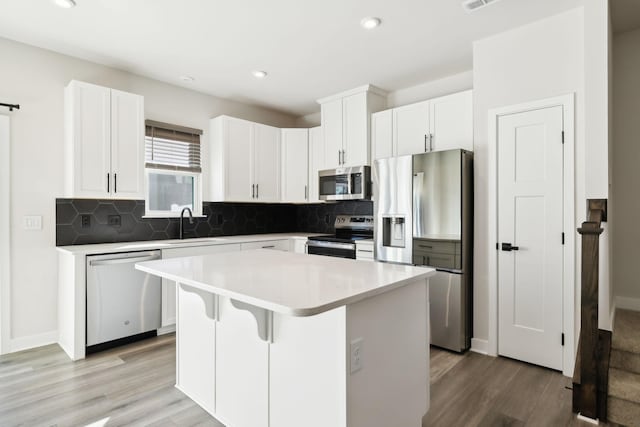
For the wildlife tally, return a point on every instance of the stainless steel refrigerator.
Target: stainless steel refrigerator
(424, 216)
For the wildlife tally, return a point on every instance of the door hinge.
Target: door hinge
(563, 238)
(563, 137)
(562, 339)
(497, 246)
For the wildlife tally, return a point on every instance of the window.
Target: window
(173, 171)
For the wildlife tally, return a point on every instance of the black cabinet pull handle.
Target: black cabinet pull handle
(115, 182)
(507, 247)
(108, 180)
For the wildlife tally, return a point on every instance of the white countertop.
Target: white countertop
(176, 243)
(285, 282)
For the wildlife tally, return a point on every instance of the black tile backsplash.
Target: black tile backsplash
(86, 221)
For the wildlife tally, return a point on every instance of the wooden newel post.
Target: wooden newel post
(590, 233)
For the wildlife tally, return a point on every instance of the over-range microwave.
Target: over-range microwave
(352, 183)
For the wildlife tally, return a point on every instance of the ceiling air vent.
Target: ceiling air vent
(473, 5)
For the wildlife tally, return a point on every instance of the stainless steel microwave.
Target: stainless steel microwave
(352, 183)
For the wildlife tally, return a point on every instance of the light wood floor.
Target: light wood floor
(134, 386)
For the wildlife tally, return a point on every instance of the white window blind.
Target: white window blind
(172, 147)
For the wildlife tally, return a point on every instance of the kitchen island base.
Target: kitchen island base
(364, 364)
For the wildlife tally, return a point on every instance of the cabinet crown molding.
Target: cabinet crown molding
(366, 88)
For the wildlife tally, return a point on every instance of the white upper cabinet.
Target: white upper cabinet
(381, 135)
(244, 161)
(437, 124)
(295, 165)
(451, 120)
(316, 162)
(346, 124)
(266, 149)
(104, 142)
(411, 129)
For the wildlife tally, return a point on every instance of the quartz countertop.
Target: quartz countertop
(177, 243)
(285, 282)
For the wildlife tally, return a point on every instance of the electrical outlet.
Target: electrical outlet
(356, 355)
(85, 221)
(114, 220)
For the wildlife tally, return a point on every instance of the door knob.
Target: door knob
(507, 247)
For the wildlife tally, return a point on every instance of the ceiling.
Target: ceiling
(625, 15)
(310, 49)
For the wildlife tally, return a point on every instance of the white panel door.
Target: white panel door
(127, 145)
(316, 162)
(382, 135)
(237, 135)
(332, 132)
(90, 129)
(451, 120)
(530, 218)
(295, 165)
(355, 130)
(266, 147)
(411, 129)
(242, 368)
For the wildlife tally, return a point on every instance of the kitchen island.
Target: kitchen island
(268, 338)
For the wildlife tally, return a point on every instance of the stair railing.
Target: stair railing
(589, 398)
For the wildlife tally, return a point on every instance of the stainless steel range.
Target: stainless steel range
(342, 244)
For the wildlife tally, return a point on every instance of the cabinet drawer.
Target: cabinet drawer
(278, 245)
(436, 260)
(435, 246)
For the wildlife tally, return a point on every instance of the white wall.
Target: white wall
(626, 169)
(5, 182)
(541, 60)
(432, 89)
(35, 78)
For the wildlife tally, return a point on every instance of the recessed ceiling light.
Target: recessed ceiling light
(187, 78)
(67, 4)
(370, 23)
(259, 74)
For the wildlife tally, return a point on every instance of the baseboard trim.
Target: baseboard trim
(32, 341)
(627, 303)
(479, 346)
(167, 329)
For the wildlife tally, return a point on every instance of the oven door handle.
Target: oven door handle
(331, 245)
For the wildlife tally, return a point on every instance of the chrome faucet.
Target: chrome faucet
(182, 221)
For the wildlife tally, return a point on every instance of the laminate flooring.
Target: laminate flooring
(134, 386)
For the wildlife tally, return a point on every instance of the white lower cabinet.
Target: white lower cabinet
(278, 245)
(169, 287)
(364, 251)
(242, 368)
(298, 246)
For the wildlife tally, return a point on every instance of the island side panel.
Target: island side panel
(307, 370)
(242, 369)
(392, 387)
(196, 312)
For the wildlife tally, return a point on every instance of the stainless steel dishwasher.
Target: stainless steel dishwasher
(123, 304)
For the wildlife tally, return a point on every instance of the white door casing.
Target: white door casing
(566, 102)
(5, 230)
(530, 175)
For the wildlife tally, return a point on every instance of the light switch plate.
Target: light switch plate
(33, 222)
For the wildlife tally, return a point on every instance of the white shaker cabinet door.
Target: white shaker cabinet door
(127, 145)
(411, 129)
(242, 368)
(356, 130)
(88, 140)
(237, 136)
(295, 165)
(382, 135)
(451, 119)
(316, 162)
(267, 163)
(332, 133)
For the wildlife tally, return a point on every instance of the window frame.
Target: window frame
(197, 193)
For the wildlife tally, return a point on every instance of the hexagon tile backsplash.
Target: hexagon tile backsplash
(86, 221)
